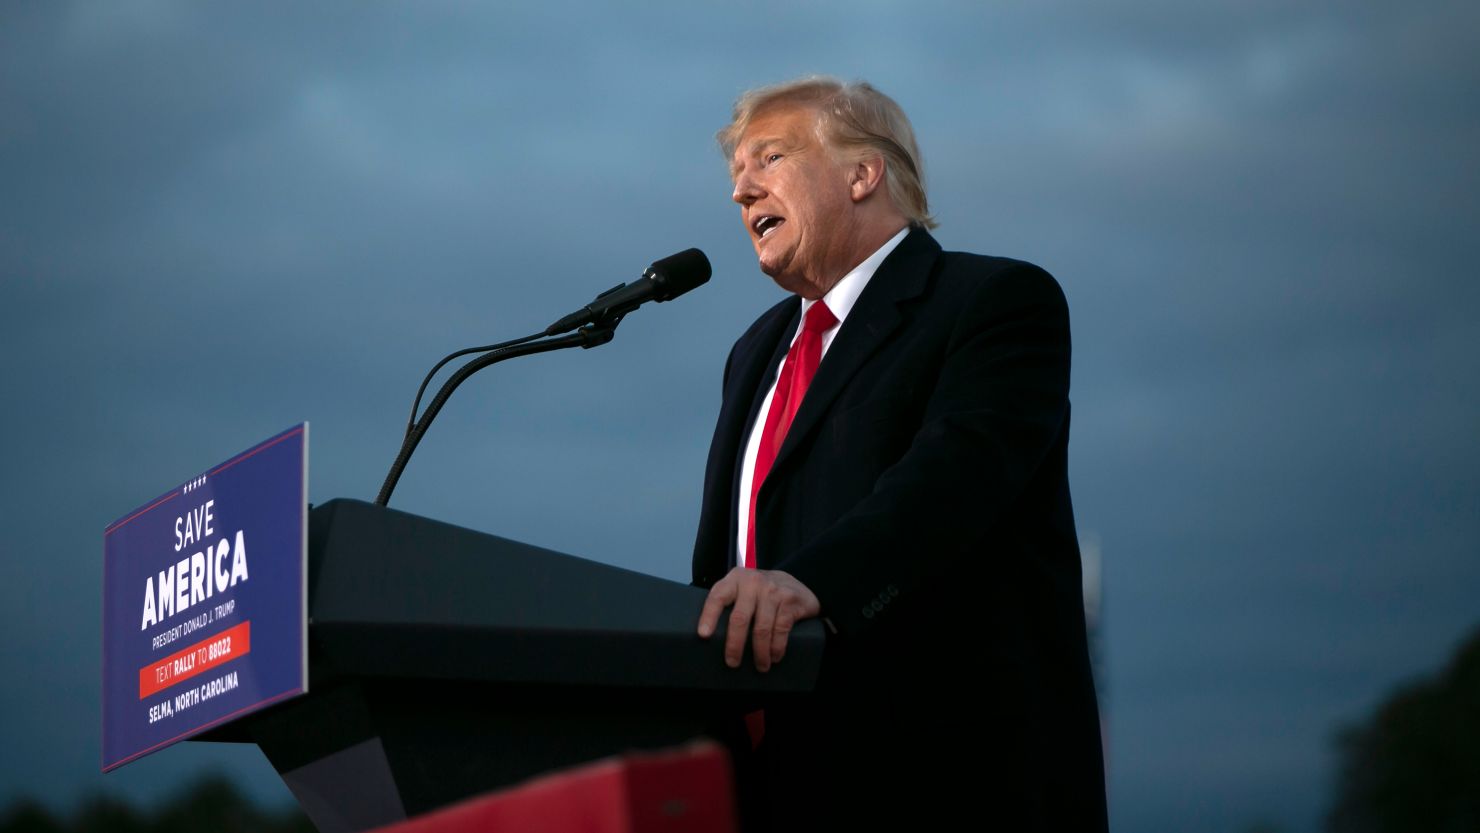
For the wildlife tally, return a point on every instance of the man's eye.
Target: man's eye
(773, 158)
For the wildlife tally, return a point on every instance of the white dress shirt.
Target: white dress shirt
(839, 300)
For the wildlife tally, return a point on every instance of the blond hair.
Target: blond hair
(855, 117)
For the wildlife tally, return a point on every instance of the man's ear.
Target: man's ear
(866, 176)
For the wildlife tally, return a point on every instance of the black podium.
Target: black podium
(444, 663)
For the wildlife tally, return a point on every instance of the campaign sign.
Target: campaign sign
(205, 613)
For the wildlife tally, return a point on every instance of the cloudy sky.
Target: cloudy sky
(217, 221)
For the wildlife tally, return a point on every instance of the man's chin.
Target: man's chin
(769, 266)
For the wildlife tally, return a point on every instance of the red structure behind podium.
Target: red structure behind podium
(680, 790)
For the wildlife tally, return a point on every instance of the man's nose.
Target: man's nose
(747, 190)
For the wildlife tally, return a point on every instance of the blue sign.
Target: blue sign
(205, 602)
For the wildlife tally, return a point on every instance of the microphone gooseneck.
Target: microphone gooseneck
(595, 325)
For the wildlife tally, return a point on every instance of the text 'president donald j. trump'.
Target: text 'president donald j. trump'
(891, 456)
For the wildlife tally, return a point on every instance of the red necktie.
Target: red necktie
(796, 374)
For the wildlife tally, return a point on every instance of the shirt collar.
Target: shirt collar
(844, 294)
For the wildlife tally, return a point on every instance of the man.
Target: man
(891, 456)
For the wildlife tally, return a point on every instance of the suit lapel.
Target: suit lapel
(874, 316)
(753, 374)
(759, 376)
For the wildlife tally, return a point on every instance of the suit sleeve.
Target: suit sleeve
(998, 407)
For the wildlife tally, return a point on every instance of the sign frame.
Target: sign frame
(208, 608)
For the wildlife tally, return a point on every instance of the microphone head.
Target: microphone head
(678, 273)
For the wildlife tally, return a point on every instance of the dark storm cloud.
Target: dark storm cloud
(222, 221)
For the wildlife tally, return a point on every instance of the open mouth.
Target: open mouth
(766, 223)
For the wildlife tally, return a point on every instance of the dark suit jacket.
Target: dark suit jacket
(922, 494)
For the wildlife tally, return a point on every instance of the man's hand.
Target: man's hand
(769, 602)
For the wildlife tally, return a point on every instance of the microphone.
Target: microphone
(664, 280)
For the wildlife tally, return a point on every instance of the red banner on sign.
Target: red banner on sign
(230, 644)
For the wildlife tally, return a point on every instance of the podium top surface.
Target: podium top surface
(396, 595)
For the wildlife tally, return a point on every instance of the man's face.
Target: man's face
(795, 200)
